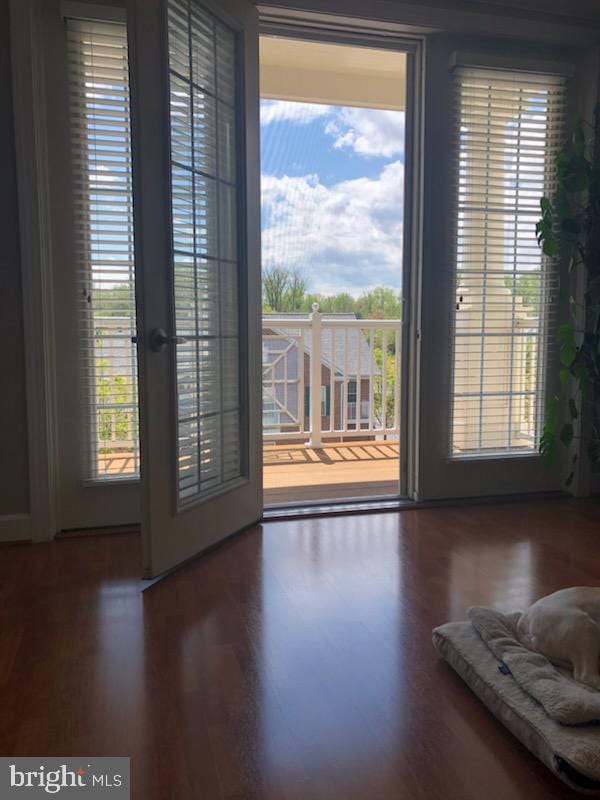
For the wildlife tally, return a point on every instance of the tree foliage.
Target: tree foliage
(285, 290)
(113, 302)
(112, 390)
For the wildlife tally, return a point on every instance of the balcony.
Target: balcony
(331, 407)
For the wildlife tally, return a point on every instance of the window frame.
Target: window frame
(440, 475)
(555, 74)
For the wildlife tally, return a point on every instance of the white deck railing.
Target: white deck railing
(327, 377)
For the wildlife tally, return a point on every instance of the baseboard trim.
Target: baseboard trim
(15, 528)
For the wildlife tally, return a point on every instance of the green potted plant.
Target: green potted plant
(569, 228)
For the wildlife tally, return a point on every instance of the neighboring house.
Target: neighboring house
(283, 383)
(349, 356)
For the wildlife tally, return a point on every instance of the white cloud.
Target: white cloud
(287, 111)
(368, 131)
(343, 238)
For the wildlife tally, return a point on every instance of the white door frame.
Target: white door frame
(346, 30)
(29, 104)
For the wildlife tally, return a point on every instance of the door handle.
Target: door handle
(159, 339)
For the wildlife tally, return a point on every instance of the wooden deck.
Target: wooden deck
(294, 473)
(118, 465)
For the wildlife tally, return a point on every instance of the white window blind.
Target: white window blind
(509, 129)
(103, 218)
(205, 250)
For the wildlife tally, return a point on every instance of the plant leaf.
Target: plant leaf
(569, 479)
(593, 451)
(565, 332)
(568, 352)
(573, 409)
(547, 448)
(566, 434)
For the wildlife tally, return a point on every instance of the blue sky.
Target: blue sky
(332, 194)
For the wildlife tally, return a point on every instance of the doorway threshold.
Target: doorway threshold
(332, 508)
(377, 505)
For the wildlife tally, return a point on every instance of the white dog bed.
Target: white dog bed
(571, 751)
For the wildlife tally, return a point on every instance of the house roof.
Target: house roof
(357, 343)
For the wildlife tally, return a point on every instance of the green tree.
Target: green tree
(286, 290)
(113, 302)
(296, 289)
(329, 304)
(390, 376)
(112, 389)
(274, 283)
(283, 290)
(379, 303)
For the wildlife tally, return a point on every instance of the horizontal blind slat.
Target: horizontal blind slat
(103, 236)
(204, 219)
(508, 131)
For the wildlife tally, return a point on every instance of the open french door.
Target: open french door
(194, 92)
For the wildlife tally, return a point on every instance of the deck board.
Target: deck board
(294, 473)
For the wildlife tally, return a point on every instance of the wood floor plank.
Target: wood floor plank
(293, 663)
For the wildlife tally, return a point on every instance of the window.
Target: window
(509, 130)
(352, 400)
(103, 221)
(204, 189)
(325, 400)
(352, 392)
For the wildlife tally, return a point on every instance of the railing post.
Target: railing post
(315, 378)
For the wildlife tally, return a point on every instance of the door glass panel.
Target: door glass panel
(103, 236)
(205, 250)
(509, 130)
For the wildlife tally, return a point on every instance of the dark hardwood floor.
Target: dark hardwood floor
(294, 663)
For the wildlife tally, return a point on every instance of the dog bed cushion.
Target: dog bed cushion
(572, 753)
(563, 698)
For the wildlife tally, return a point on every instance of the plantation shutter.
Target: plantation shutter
(509, 129)
(103, 236)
